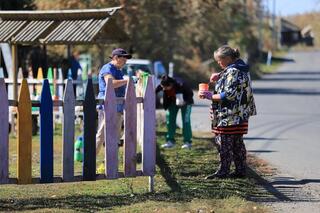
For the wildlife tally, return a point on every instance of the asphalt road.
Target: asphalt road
(286, 131)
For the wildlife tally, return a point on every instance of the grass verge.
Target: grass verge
(277, 59)
(179, 186)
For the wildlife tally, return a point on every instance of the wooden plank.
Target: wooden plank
(39, 78)
(130, 131)
(24, 171)
(46, 134)
(50, 79)
(111, 132)
(4, 133)
(78, 102)
(89, 133)
(68, 133)
(139, 92)
(149, 134)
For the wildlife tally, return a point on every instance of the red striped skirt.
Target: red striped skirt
(231, 130)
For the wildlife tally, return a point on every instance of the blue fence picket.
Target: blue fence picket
(68, 133)
(4, 139)
(46, 134)
(89, 133)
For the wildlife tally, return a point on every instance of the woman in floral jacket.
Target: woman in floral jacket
(232, 105)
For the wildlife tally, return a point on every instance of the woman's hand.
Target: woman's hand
(205, 95)
(214, 77)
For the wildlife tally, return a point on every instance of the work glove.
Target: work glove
(205, 95)
(135, 79)
(214, 77)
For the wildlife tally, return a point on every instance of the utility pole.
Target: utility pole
(260, 17)
(274, 32)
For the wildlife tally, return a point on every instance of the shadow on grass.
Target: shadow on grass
(166, 171)
(182, 170)
(190, 189)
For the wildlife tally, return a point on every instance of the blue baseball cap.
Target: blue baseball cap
(120, 52)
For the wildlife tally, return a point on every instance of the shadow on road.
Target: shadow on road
(261, 151)
(260, 138)
(289, 190)
(280, 59)
(285, 91)
(299, 79)
(295, 73)
(291, 181)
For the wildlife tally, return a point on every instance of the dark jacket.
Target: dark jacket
(179, 87)
(234, 86)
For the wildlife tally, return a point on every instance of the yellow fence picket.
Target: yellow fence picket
(24, 135)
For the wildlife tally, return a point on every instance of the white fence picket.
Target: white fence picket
(149, 128)
(111, 132)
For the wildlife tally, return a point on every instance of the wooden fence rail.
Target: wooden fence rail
(147, 122)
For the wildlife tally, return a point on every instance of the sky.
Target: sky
(291, 7)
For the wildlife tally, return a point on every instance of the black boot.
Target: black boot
(217, 175)
(237, 175)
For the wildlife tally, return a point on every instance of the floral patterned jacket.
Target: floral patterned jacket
(234, 86)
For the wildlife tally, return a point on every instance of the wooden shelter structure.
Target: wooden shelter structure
(290, 33)
(52, 27)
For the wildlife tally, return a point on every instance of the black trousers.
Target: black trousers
(231, 148)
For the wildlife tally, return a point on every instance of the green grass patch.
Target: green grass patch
(179, 185)
(272, 68)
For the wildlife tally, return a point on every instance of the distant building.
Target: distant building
(290, 33)
(307, 35)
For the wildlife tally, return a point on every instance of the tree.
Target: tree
(17, 5)
(183, 31)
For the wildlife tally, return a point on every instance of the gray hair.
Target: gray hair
(225, 51)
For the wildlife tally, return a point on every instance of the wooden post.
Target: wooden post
(151, 184)
(14, 50)
(24, 135)
(139, 92)
(149, 131)
(68, 133)
(39, 78)
(4, 133)
(130, 131)
(46, 134)
(111, 132)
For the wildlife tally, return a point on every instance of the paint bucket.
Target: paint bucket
(203, 87)
(78, 149)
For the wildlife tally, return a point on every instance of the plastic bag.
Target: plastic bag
(179, 100)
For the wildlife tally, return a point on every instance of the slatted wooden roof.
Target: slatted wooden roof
(61, 26)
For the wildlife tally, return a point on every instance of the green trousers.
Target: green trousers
(171, 118)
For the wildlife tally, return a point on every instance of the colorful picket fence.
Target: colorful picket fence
(24, 132)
